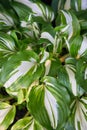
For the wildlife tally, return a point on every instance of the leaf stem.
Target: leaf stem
(62, 59)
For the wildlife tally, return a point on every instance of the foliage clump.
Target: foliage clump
(43, 65)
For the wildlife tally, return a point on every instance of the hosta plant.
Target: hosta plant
(43, 65)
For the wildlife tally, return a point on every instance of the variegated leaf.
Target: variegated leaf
(7, 44)
(80, 111)
(72, 79)
(68, 18)
(75, 45)
(49, 101)
(22, 10)
(55, 41)
(83, 47)
(16, 70)
(81, 73)
(77, 5)
(67, 4)
(45, 56)
(85, 76)
(7, 113)
(27, 123)
(7, 47)
(39, 10)
(51, 108)
(47, 67)
(72, 71)
(36, 29)
(6, 19)
(47, 36)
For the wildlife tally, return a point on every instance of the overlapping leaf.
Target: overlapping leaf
(22, 10)
(6, 21)
(68, 18)
(76, 87)
(81, 73)
(79, 107)
(55, 40)
(20, 69)
(39, 10)
(7, 47)
(8, 18)
(27, 123)
(7, 44)
(77, 5)
(49, 99)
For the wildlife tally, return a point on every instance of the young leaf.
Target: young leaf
(68, 18)
(48, 36)
(77, 5)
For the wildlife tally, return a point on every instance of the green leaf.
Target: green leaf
(39, 111)
(49, 99)
(17, 69)
(75, 44)
(81, 73)
(54, 5)
(70, 124)
(7, 113)
(22, 10)
(83, 25)
(20, 96)
(63, 77)
(54, 63)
